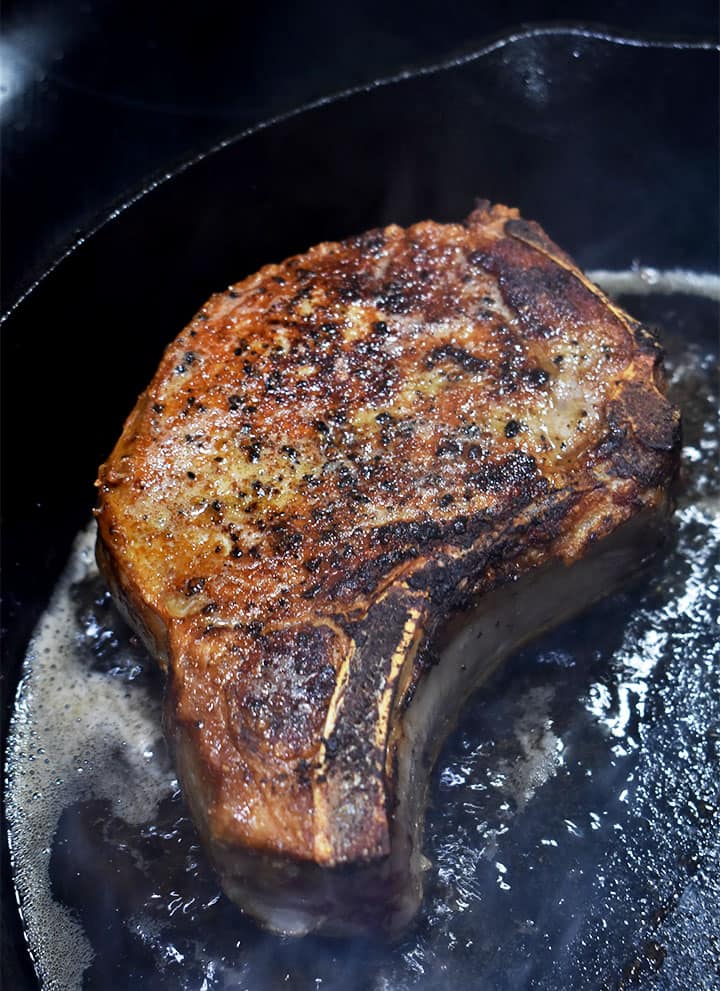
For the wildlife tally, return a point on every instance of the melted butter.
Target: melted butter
(573, 816)
(81, 730)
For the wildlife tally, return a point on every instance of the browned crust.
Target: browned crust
(303, 495)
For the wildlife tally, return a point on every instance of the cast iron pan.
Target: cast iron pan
(610, 143)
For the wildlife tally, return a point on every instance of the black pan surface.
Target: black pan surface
(611, 144)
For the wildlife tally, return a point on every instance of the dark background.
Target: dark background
(99, 94)
(95, 97)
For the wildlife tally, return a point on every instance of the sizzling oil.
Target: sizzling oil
(573, 827)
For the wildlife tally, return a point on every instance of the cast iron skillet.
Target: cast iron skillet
(610, 143)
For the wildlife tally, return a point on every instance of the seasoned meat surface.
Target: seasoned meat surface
(337, 455)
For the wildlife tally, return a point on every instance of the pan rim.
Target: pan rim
(493, 44)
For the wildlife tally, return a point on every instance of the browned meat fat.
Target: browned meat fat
(344, 462)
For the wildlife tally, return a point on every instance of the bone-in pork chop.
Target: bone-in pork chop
(357, 480)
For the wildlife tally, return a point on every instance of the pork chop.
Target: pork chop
(358, 479)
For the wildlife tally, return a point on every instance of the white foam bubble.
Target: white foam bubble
(76, 734)
(541, 750)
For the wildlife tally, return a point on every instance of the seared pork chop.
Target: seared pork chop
(357, 480)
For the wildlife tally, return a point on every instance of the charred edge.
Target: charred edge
(655, 421)
(532, 234)
(452, 583)
(365, 579)
(406, 541)
(648, 343)
(643, 438)
(522, 286)
(355, 770)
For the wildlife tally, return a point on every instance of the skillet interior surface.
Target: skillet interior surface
(612, 146)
